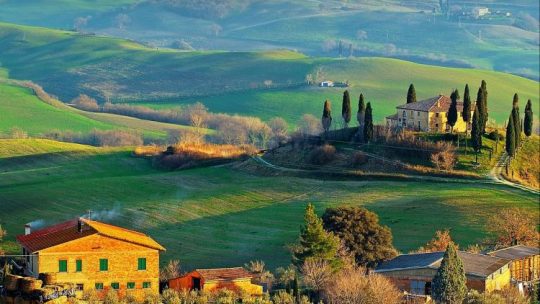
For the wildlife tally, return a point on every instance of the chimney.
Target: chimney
(27, 229)
(79, 225)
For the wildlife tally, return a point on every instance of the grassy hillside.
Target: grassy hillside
(199, 214)
(68, 64)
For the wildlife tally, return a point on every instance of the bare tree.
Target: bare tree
(317, 273)
(279, 129)
(309, 125)
(171, 271)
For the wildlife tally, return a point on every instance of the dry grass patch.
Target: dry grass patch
(197, 154)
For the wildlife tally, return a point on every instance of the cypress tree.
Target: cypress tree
(368, 124)
(528, 121)
(480, 106)
(485, 114)
(327, 116)
(453, 112)
(466, 105)
(315, 242)
(517, 120)
(449, 285)
(361, 115)
(346, 109)
(476, 132)
(510, 137)
(411, 94)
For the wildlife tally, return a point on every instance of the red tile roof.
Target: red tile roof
(435, 104)
(68, 231)
(224, 274)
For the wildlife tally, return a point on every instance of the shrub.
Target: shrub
(282, 297)
(322, 155)
(18, 133)
(91, 296)
(493, 135)
(358, 159)
(84, 102)
(170, 296)
(111, 297)
(444, 160)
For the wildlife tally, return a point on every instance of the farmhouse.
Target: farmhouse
(479, 12)
(327, 84)
(413, 273)
(525, 266)
(236, 279)
(94, 255)
(430, 115)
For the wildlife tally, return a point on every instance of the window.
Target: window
(131, 285)
(412, 113)
(99, 286)
(141, 264)
(78, 265)
(103, 264)
(80, 287)
(115, 285)
(436, 114)
(62, 266)
(418, 287)
(146, 285)
(417, 114)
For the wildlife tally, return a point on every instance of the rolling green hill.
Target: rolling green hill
(199, 214)
(264, 84)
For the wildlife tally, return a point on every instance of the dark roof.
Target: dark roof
(435, 104)
(474, 264)
(515, 252)
(416, 260)
(221, 274)
(68, 231)
(392, 117)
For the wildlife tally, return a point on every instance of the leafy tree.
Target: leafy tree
(411, 94)
(438, 243)
(514, 226)
(528, 121)
(476, 132)
(449, 284)
(453, 112)
(346, 109)
(327, 116)
(517, 121)
(361, 233)
(368, 124)
(315, 243)
(467, 105)
(510, 137)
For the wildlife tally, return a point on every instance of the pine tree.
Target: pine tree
(327, 116)
(453, 112)
(485, 114)
(411, 94)
(449, 285)
(466, 105)
(476, 132)
(346, 109)
(528, 121)
(510, 137)
(315, 242)
(368, 124)
(517, 121)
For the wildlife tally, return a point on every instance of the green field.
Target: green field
(199, 214)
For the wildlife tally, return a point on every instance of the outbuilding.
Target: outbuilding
(236, 279)
(525, 266)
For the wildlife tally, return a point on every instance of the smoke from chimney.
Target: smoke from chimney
(27, 229)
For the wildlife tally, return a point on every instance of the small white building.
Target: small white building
(326, 84)
(480, 12)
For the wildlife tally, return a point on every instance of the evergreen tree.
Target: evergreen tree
(453, 112)
(411, 94)
(361, 115)
(368, 124)
(467, 105)
(327, 116)
(346, 109)
(449, 285)
(480, 106)
(510, 137)
(528, 121)
(485, 114)
(296, 292)
(476, 132)
(315, 242)
(517, 121)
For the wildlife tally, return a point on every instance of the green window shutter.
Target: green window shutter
(78, 265)
(131, 285)
(103, 264)
(62, 266)
(142, 264)
(99, 286)
(115, 285)
(146, 285)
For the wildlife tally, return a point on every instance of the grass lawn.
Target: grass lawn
(523, 168)
(201, 214)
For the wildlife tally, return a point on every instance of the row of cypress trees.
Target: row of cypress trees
(364, 116)
(515, 128)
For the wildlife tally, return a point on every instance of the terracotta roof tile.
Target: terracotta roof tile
(515, 252)
(123, 234)
(435, 104)
(224, 274)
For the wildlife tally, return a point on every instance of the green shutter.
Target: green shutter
(146, 284)
(115, 285)
(99, 286)
(78, 265)
(131, 285)
(142, 264)
(62, 266)
(103, 264)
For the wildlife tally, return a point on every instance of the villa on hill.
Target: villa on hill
(94, 255)
(430, 115)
